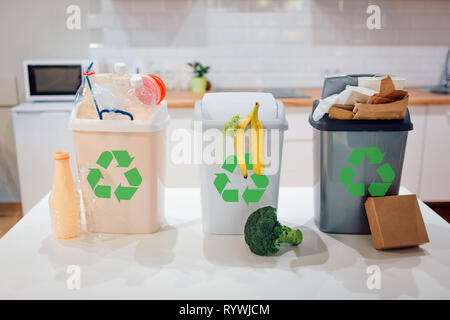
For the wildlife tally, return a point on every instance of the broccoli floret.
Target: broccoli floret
(263, 232)
(231, 126)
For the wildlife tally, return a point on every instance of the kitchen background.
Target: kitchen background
(274, 43)
(257, 43)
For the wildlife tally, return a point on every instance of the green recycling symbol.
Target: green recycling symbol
(123, 160)
(376, 189)
(232, 195)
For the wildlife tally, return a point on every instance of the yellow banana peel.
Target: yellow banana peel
(257, 145)
(257, 142)
(254, 141)
(240, 153)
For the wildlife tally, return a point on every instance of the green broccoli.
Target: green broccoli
(263, 232)
(231, 126)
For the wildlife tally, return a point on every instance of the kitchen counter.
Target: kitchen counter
(181, 262)
(187, 99)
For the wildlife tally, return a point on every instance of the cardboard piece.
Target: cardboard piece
(340, 114)
(384, 111)
(386, 86)
(388, 104)
(395, 222)
(344, 106)
(395, 95)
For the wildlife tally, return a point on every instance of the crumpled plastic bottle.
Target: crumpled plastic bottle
(119, 95)
(145, 89)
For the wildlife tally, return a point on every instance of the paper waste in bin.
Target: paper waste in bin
(353, 160)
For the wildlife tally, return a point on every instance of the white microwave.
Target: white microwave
(52, 80)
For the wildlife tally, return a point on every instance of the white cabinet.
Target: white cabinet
(179, 132)
(297, 163)
(426, 169)
(40, 129)
(435, 177)
(412, 164)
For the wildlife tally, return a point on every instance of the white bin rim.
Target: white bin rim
(216, 109)
(159, 121)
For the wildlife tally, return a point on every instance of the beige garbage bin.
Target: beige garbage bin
(121, 167)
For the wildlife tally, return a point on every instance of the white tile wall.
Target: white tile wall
(277, 42)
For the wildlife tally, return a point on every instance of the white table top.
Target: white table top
(181, 262)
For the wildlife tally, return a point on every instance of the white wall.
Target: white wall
(277, 42)
(31, 30)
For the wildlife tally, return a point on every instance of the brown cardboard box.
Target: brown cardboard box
(395, 222)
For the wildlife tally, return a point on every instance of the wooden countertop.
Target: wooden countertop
(187, 99)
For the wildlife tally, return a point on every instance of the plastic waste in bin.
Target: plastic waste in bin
(121, 161)
(354, 159)
(227, 198)
(121, 167)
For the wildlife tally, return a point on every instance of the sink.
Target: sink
(277, 92)
(436, 90)
(444, 84)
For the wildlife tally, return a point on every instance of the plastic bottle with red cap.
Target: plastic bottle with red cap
(149, 89)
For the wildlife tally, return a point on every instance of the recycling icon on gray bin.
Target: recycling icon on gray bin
(375, 157)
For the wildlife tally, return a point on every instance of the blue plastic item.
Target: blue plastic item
(100, 113)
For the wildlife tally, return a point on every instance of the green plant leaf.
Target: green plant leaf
(198, 69)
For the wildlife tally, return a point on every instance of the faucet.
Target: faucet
(444, 85)
(445, 78)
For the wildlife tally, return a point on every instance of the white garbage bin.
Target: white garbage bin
(227, 197)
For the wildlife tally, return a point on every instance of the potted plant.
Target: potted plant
(198, 82)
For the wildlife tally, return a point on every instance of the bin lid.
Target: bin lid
(336, 84)
(327, 124)
(215, 109)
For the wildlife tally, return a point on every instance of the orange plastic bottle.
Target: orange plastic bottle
(64, 200)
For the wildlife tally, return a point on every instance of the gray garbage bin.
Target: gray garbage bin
(353, 160)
